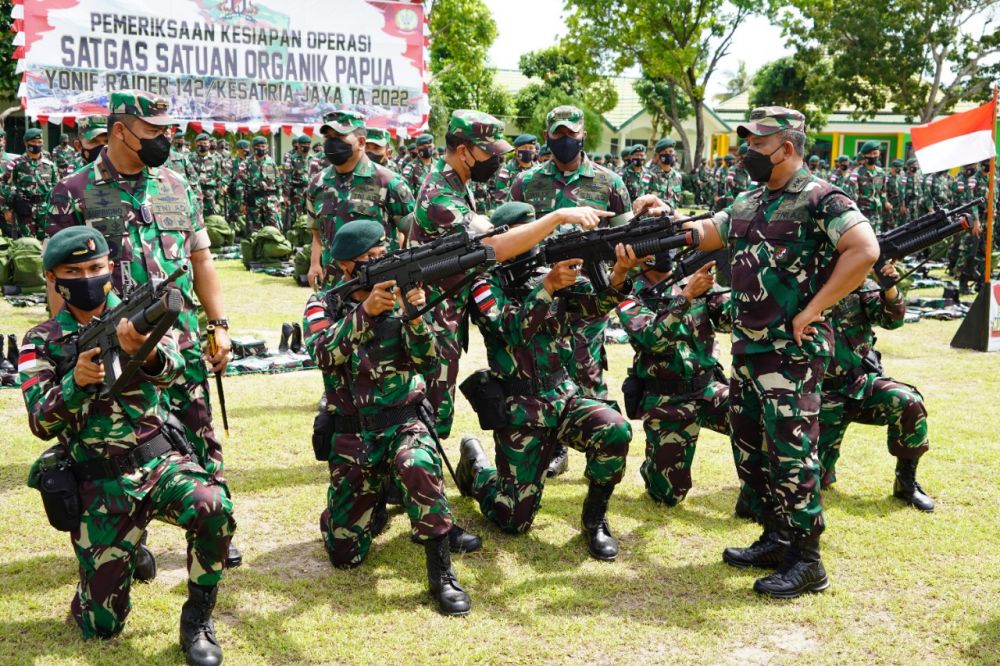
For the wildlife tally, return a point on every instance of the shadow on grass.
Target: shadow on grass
(13, 476)
(63, 642)
(986, 650)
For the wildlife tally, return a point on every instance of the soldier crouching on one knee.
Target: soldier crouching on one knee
(125, 466)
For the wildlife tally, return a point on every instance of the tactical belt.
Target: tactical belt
(390, 417)
(528, 387)
(346, 425)
(678, 387)
(112, 468)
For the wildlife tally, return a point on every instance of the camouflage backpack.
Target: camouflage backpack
(270, 247)
(302, 259)
(24, 266)
(219, 231)
(301, 232)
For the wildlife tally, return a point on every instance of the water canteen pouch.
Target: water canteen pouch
(485, 393)
(634, 391)
(58, 486)
(322, 437)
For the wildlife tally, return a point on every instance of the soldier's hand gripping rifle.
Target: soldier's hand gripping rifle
(152, 308)
(688, 263)
(450, 256)
(917, 235)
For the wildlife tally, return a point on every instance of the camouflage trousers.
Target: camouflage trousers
(452, 328)
(114, 521)
(672, 424)
(189, 401)
(589, 356)
(359, 467)
(212, 201)
(511, 494)
(894, 404)
(296, 206)
(774, 424)
(878, 222)
(263, 212)
(971, 256)
(25, 226)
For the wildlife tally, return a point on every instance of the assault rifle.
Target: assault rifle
(686, 264)
(446, 257)
(919, 234)
(152, 308)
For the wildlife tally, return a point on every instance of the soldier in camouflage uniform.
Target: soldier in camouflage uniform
(29, 180)
(208, 167)
(894, 194)
(634, 170)
(317, 162)
(129, 468)
(970, 247)
(725, 183)
(676, 362)
(797, 246)
(937, 191)
(840, 175)
(475, 145)
(180, 161)
(814, 166)
(856, 390)
(866, 185)
(526, 325)
(350, 188)
(911, 191)
(65, 157)
(377, 141)
(236, 197)
(382, 358)
(262, 187)
(295, 168)
(93, 135)
(416, 170)
(525, 154)
(153, 224)
(741, 179)
(701, 178)
(7, 224)
(662, 177)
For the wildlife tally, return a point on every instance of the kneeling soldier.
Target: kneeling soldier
(528, 398)
(381, 361)
(128, 466)
(675, 383)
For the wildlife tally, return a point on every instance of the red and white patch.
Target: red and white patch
(483, 297)
(318, 324)
(314, 312)
(31, 382)
(27, 359)
(627, 305)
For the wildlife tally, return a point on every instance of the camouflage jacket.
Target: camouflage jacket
(385, 359)
(667, 185)
(261, 178)
(911, 191)
(152, 225)
(963, 190)
(88, 425)
(67, 160)
(235, 182)
(741, 180)
(633, 181)
(673, 339)
(31, 180)
(317, 162)
(868, 188)
(323, 310)
(725, 183)
(295, 167)
(180, 162)
(500, 184)
(894, 188)
(209, 170)
(782, 247)
(415, 173)
(937, 190)
(853, 319)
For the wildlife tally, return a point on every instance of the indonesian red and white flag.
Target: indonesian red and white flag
(957, 140)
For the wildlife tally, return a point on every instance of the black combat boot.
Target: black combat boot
(295, 342)
(286, 333)
(907, 488)
(600, 542)
(451, 598)
(828, 479)
(471, 459)
(380, 518)
(5, 365)
(559, 463)
(460, 541)
(145, 563)
(234, 557)
(197, 629)
(744, 509)
(801, 571)
(12, 350)
(767, 552)
(392, 493)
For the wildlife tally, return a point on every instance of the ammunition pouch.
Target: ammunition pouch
(60, 496)
(325, 426)
(486, 395)
(634, 391)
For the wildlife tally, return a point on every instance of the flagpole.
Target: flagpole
(991, 201)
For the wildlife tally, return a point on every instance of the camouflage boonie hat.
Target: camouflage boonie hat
(343, 121)
(142, 105)
(768, 120)
(564, 116)
(377, 135)
(481, 128)
(92, 127)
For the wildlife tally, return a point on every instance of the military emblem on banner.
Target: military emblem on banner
(238, 9)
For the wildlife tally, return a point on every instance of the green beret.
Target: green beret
(73, 245)
(302, 138)
(525, 139)
(63, 137)
(511, 213)
(664, 143)
(896, 163)
(813, 159)
(843, 158)
(869, 146)
(259, 141)
(911, 161)
(355, 238)
(742, 150)
(425, 140)
(625, 152)
(729, 158)
(32, 134)
(609, 156)
(202, 137)
(243, 143)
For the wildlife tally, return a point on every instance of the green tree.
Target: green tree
(738, 83)
(9, 78)
(666, 105)
(793, 83)
(917, 57)
(677, 41)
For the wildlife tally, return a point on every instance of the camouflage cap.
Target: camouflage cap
(355, 238)
(869, 146)
(663, 144)
(564, 116)
(768, 120)
(303, 139)
(259, 141)
(243, 143)
(344, 121)
(142, 105)
(481, 128)
(32, 134)
(511, 213)
(92, 127)
(425, 140)
(377, 135)
(73, 245)
(524, 140)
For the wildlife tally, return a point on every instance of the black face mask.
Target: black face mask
(304, 150)
(564, 148)
(34, 150)
(669, 159)
(871, 161)
(426, 153)
(913, 169)
(758, 165)
(152, 152)
(202, 149)
(337, 151)
(178, 145)
(663, 262)
(526, 155)
(483, 171)
(985, 166)
(89, 154)
(970, 172)
(84, 293)
(260, 151)
(377, 159)
(636, 161)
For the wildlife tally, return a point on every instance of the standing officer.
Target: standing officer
(416, 170)
(662, 177)
(235, 193)
(525, 154)
(180, 160)
(128, 467)
(911, 191)
(65, 157)
(262, 185)
(30, 180)
(633, 169)
(797, 246)
(295, 169)
(208, 166)
(840, 175)
(894, 194)
(868, 184)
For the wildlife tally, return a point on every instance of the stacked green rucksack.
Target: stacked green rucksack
(301, 232)
(267, 248)
(21, 266)
(219, 231)
(302, 258)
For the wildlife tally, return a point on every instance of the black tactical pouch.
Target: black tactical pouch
(176, 434)
(634, 391)
(485, 393)
(60, 493)
(322, 437)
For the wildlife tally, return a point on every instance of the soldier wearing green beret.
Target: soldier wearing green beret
(814, 165)
(153, 224)
(235, 196)
(894, 193)
(725, 183)
(28, 180)
(911, 184)
(153, 475)
(208, 167)
(525, 154)
(634, 169)
(65, 156)
(741, 179)
(700, 179)
(417, 169)
(295, 178)
(662, 177)
(180, 160)
(968, 249)
(841, 171)
(262, 187)
(866, 184)
(797, 246)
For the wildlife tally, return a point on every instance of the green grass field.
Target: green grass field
(906, 587)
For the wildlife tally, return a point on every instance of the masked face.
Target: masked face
(667, 159)
(86, 293)
(260, 151)
(636, 161)
(482, 170)
(34, 148)
(337, 150)
(758, 165)
(564, 148)
(202, 148)
(89, 154)
(871, 160)
(526, 155)
(374, 157)
(426, 152)
(152, 152)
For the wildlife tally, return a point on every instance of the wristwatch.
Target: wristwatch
(220, 323)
